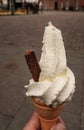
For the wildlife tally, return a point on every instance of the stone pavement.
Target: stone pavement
(18, 33)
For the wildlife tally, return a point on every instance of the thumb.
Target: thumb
(59, 126)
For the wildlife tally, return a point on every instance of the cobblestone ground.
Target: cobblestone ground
(18, 33)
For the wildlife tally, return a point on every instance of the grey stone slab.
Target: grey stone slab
(12, 80)
(22, 116)
(83, 98)
(5, 120)
(82, 109)
(11, 97)
(72, 121)
(75, 63)
(82, 118)
(83, 92)
(72, 107)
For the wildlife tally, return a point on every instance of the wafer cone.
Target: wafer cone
(48, 116)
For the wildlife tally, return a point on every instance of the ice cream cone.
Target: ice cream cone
(48, 116)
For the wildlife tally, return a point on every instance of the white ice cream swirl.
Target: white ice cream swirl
(56, 82)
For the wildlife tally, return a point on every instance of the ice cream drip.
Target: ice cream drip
(56, 81)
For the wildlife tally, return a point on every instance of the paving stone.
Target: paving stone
(83, 91)
(5, 120)
(22, 116)
(11, 97)
(72, 121)
(82, 118)
(12, 86)
(82, 109)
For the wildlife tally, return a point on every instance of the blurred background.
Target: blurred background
(12, 7)
(19, 32)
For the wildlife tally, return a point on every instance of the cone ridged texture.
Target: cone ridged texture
(48, 116)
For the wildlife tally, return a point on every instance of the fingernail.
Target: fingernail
(53, 127)
(59, 126)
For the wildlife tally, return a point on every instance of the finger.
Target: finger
(34, 123)
(59, 120)
(35, 120)
(58, 126)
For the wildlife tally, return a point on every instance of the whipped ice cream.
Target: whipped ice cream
(56, 81)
